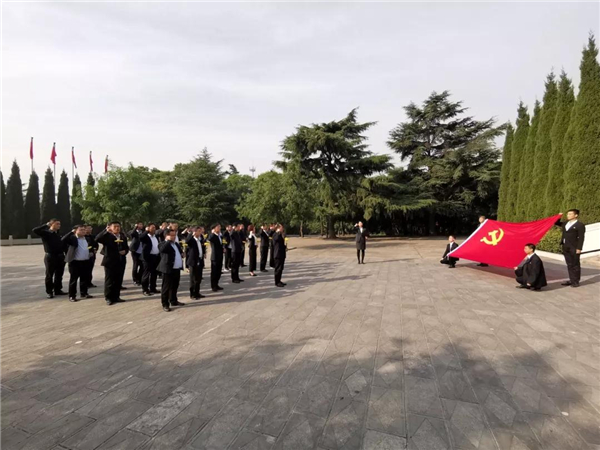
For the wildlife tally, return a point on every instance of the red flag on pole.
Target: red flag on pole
(53, 154)
(31, 150)
(73, 156)
(91, 162)
(106, 164)
(501, 243)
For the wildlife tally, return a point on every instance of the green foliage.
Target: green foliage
(265, 204)
(238, 187)
(48, 208)
(91, 181)
(76, 201)
(63, 204)
(32, 203)
(556, 169)
(526, 171)
(14, 203)
(3, 210)
(518, 148)
(299, 197)
(161, 183)
(505, 173)
(551, 241)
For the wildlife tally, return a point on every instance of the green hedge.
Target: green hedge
(551, 241)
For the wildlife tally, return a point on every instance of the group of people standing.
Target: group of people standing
(157, 252)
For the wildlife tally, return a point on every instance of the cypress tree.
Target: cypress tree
(63, 206)
(91, 181)
(32, 203)
(518, 148)
(48, 208)
(582, 180)
(14, 203)
(505, 172)
(526, 172)
(536, 201)
(4, 218)
(556, 170)
(76, 201)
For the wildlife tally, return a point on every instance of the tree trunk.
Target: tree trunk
(330, 228)
(301, 231)
(431, 223)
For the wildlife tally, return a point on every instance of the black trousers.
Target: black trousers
(279, 270)
(113, 277)
(243, 256)
(449, 261)
(236, 259)
(195, 280)
(215, 272)
(150, 274)
(572, 258)
(78, 271)
(90, 270)
(122, 272)
(252, 257)
(264, 255)
(170, 285)
(228, 258)
(360, 253)
(55, 267)
(271, 257)
(138, 269)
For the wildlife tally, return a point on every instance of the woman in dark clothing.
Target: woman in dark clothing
(252, 249)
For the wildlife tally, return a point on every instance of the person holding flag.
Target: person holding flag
(573, 235)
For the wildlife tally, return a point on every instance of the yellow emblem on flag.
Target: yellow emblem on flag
(494, 238)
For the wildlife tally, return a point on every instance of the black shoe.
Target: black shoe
(236, 281)
(166, 308)
(566, 283)
(285, 284)
(536, 289)
(154, 291)
(219, 288)
(50, 295)
(92, 285)
(574, 284)
(110, 302)
(201, 296)
(359, 262)
(72, 299)
(119, 300)
(147, 294)
(60, 293)
(178, 304)
(280, 285)
(215, 290)
(123, 288)
(522, 286)
(87, 296)
(241, 280)
(265, 270)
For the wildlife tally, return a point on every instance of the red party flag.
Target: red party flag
(73, 156)
(91, 162)
(53, 154)
(501, 243)
(31, 150)
(106, 164)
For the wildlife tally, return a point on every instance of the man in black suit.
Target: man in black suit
(135, 248)
(194, 260)
(170, 265)
(279, 252)
(226, 238)
(114, 250)
(216, 257)
(264, 248)
(452, 245)
(160, 233)
(573, 235)
(93, 246)
(150, 259)
(54, 259)
(78, 255)
(530, 273)
(271, 233)
(236, 253)
(481, 220)
(244, 238)
(361, 241)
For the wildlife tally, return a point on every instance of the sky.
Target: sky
(155, 83)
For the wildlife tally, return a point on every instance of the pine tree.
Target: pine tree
(63, 206)
(526, 172)
(76, 201)
(505, 172)
(556, 170)
(536, 201)
(91, 181)
(32, 203)
(518, 148)
(4, 216)
(582, 180)
(14, 203)
(48, 208)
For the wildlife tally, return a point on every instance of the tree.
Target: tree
(161, 183)
(91, 181)
(63, 204)
(76, 201)
(556, 170)
(505, 173)
(48, 208)
(518, 148)
(582, 180)
(3, 210)
(526, 171)
(32, 203)
(265, 203)
(335, 155)
(238, 187)
(298, 198)
(14, 203)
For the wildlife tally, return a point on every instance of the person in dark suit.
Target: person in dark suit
(114, 250)
(93, 247)
(279, 253)
(135, 248)
(271, 233)
(264, 248)
(573, 235)
(216, 257)
(161, 231)
(236, 252)
(150, 258)
(194, 260)
(78, 255)
(361, 241)
(251, 250)
(452, 245)
(226, 238)
(54, 259)
(170, 265)
(530, 273)
(481, 220)
(244, 238)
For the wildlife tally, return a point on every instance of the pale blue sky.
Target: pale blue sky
(153, 83)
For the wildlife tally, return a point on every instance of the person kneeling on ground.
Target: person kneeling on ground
(530, 273)
(452, 245)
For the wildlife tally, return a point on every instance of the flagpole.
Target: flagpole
(72, 163)
(54, 163)
(31, 153)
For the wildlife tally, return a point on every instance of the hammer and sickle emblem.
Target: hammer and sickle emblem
(494, 238)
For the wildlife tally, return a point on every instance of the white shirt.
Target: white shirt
(176, 237)
(200, 249)
(529, 256)
(569, 224)
(361, 230)
(178, 264)
(154, 240)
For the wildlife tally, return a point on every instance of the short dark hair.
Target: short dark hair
(215, 225)
(235, 224)
(170, 230)
(150, 224)
(451, 235)
(78, 226)
(576, 211)
(114, 222)
(531, 246)
(51, 221)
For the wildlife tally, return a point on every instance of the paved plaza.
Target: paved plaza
(399, 353)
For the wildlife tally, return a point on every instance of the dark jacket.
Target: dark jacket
(147, 245)
(160, 234)
(111, 247)
(243, 236)
(279, 249)
(531, 271)
(264, 239)
(167, 256)
(361, 238)
(71, 242)
(135, 240)
(51, 240)
(572, 239)
(226, 236)
(236, 242)
(193, 257)
(450, 247)
(92, 245)
(216, 248)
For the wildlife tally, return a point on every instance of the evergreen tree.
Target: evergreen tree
(4, 218)
(14, 203)
(63, 205)
(582, 181)
(32, 203)
(518, 148)
(526, 172)
(76, 201)
(505, 173)
(535, 196)
(91, 181)
(556, 170)
(48, 208)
